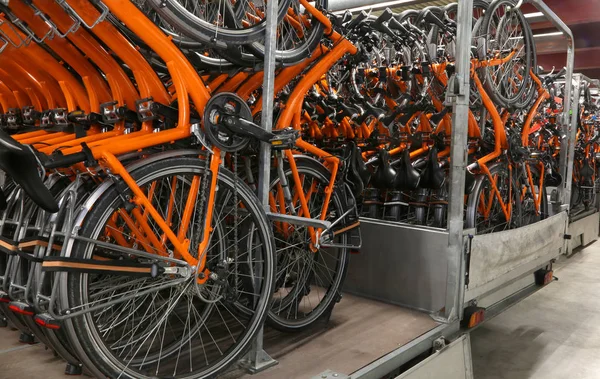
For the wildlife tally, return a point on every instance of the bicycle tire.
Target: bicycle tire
(482, 184)
(488, 78)
(206, 33)
(283, 310)
(94, 351)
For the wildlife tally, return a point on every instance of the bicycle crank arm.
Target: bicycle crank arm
(245, 128)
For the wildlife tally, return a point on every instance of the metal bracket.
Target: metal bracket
(197, 131)
(329, 374)
(439, 344)
(257, 360)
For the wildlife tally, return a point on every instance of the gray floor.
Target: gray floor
(553, 334)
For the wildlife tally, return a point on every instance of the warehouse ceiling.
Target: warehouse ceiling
(583, 18)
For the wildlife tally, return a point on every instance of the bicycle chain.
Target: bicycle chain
(235, 218)
(203, 190)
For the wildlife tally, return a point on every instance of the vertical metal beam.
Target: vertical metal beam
(570, 135)
(564, 190)
(458, 162)
(257, 359)
(267, 105)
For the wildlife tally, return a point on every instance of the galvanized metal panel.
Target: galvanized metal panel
(400, 264)
(583, 231)
(451, 362)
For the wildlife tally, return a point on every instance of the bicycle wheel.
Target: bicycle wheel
(528, 207)
(484, 210)
(504, 35)
(224, 22)
(307, 284)
(298, 35)
(187, 330)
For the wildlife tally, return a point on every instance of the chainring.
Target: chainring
(225, 104)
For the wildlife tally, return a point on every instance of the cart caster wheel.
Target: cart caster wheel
(27, 338)
(73, 369)
(3, 323)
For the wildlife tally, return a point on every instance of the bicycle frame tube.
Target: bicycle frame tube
(27, 90)
(149, 85)
(122, 89)
(96, 87)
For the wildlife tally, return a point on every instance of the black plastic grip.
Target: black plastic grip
(433, 19)
(379, 23)
(59, 161)
(357, 20)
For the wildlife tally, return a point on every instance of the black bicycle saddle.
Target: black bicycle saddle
(433, 176)
(385, 175)
(407, 177)
(19, 162)
(358, 173)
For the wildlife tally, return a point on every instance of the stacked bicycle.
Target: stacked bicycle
(132, 243)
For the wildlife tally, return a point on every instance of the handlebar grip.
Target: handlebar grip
(386, 15)
(561, 73)
(379, 25)
(433, 19)
(357, 20)
(396, 25)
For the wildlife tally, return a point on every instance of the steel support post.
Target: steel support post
(458, 158)
(564, 190)
(570, 136)
(257, 359)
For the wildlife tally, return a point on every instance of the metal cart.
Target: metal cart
(409, 288)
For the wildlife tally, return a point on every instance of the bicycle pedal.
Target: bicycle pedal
(46, 119)
(59, 117)
(21, 308)
(144, 108)
(284, 139)
(27, 338)
(109, 112)
(73, 369)
(30, 115)
(13, 118)
(46, 321)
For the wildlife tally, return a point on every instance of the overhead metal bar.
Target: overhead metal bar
(356, 5)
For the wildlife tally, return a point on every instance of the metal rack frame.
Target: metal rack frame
(454, 236)
(583, 227)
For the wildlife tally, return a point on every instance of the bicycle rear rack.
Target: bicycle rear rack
(73, 28)
(9, 40)
(103, 8)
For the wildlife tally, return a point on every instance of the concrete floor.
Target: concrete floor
(553, 334)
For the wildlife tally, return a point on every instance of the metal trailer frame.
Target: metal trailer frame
(583, 227)
(458, 240)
